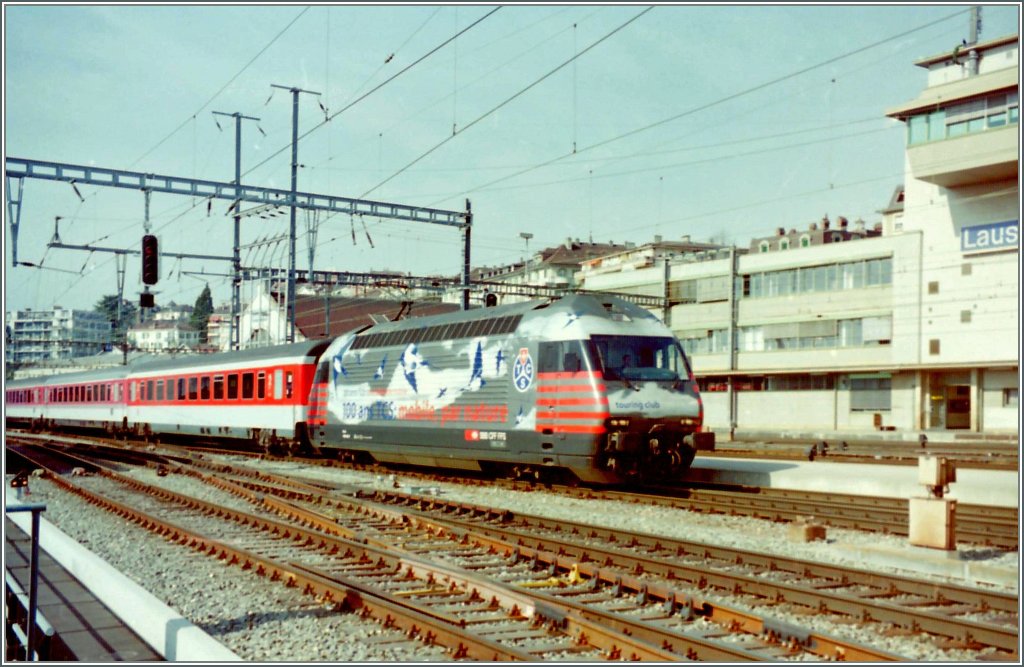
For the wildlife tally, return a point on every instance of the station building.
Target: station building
(910, 326)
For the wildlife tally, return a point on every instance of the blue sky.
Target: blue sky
(719, 122)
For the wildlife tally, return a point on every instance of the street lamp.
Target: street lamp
(526, 236)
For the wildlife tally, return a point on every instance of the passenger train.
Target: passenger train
(595, 387)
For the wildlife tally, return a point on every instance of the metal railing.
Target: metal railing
(29, 637)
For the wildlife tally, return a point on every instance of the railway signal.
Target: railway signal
(150, 260)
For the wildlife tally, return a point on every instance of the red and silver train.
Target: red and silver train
(592, 386)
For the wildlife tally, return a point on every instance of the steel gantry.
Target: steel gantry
(21, 168)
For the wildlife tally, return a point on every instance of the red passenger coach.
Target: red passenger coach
(258, 395)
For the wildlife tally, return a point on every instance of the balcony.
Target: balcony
(970, 159)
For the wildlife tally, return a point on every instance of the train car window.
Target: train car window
(181, 389)
(149, 391)
(88, 394)
(170, 390)
(261, 384)
(278, 384)
(160, 390)
(288, 384)
(204, 387)
(218, 387)
(193, 388)
(232, 386)
(247, 385)
(133, 392)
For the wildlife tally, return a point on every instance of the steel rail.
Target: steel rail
(962, 630)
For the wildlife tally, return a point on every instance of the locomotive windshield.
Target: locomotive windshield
(640, 358)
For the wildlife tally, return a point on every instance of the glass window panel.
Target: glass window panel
(232, 386)
(958, 129)
(279, 384)
(218, 387)
(997, 119)
(261, 385)
(917, 130)
(247, 385)
(937, 125)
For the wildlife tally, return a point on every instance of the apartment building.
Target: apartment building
(46, 335)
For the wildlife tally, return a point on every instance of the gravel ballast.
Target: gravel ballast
(260, 621)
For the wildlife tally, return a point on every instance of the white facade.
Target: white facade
(163, 336)
(263, 320)
(914, 330)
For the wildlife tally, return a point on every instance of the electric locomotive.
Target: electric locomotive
(593, 386)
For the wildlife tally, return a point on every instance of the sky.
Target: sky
(609, 123)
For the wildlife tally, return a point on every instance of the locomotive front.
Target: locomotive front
(624, 381)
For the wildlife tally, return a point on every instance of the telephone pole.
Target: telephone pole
(236, 260)
(290, 298)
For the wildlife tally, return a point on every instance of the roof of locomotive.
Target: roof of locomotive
(589, 304)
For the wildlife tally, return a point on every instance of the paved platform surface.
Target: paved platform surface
(85, 629)
(981, 487)
(972, 486)
(976, 487)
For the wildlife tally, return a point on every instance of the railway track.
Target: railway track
(985, 525)
(652, 568)
(567, 571)
(473, 616)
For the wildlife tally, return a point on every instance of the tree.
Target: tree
(107, 306)
(201, 313)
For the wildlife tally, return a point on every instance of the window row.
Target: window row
(866, 394)
(100, 392)
(817, 334)
(957, 120)
(830, 277)
(471, 329)
(246, 386)
(792, 336)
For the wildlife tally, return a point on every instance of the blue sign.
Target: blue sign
(522, 370)
(992, 236)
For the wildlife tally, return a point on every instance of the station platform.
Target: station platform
(972, 486)
(97, 613)
(84, 629)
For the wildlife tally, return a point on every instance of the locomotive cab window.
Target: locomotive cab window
(656, 358)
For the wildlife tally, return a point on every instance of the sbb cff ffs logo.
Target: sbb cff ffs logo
(150, 260)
